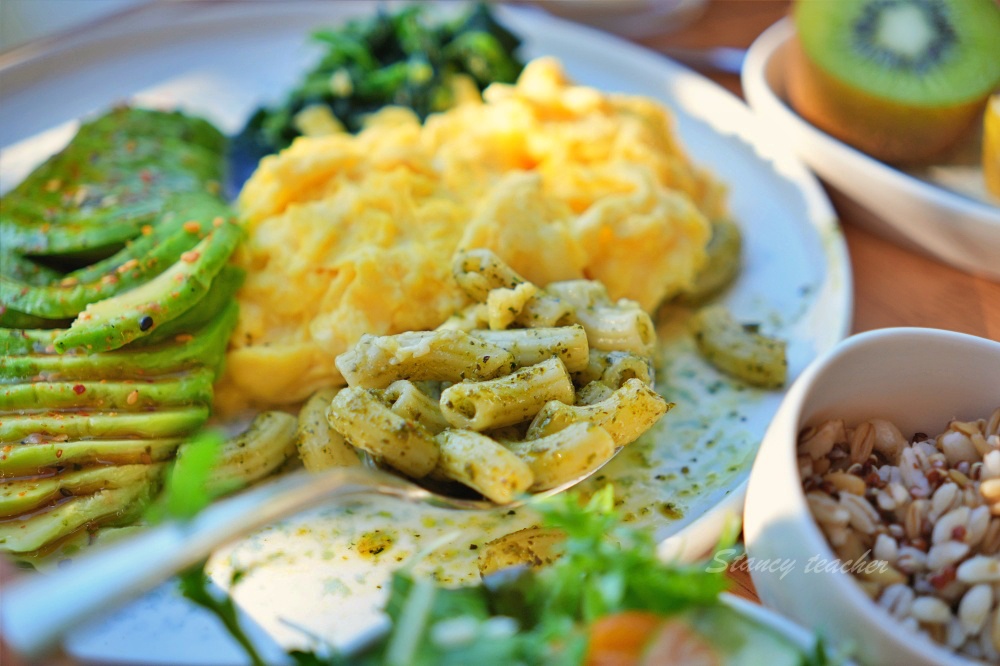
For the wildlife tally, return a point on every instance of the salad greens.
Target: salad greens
(402, 58)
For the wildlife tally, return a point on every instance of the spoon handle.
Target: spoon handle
(37, 611)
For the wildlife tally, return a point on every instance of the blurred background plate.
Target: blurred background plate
(962, 229)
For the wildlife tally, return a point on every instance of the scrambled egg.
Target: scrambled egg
(355, 234)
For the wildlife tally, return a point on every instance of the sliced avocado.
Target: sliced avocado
(114, 322)
(112, 179)
(27, 459)
(69, 296)
(15, 428)
(181, 208)
(23, 269)
(219, 296)
(206, 348)
(31, 532)
(13, 319)
(131, 122)
(17, 341)
(193, 388)
(22, 495)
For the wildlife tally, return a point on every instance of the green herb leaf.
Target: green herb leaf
(185, 491)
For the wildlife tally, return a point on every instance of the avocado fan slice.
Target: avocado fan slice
(110, 506)
(10, 318)
(112, 179)
(16, 341)
(193, 388)
(19, 496)
(206, 348)
(220, 295)
(23, 269)
(102, 424)
(179, 209)
(30, 459)
(114, 322)
(70, 296)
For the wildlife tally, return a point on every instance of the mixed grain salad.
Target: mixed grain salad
(925, 507)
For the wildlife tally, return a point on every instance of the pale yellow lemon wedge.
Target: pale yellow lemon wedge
(991, 146)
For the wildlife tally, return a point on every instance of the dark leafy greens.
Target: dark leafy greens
(392, 58)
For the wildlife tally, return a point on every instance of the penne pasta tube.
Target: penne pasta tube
(482, 464)
(616, 328)
(320, 446)
(253, 454)
(504, 305)
(566, 455)
(545, 311)
(593, 392)
(367, 423)
(467, 319)
(614, 368)
(580, 294)
(626, 414)
(478, 271)
(529, 346)
(532, 546)
(507, 400)
(738, 349)
(414, 405)
(445, 355)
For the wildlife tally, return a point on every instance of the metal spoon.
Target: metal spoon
(36, 612)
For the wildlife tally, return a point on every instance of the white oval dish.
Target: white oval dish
(958, 229)
(917, 378)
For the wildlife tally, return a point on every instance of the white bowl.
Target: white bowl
(630, 18)
(917, 378)
(958, 229)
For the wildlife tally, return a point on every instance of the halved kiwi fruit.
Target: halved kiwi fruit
(899, 79)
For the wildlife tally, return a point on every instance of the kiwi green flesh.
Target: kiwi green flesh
(928, 53)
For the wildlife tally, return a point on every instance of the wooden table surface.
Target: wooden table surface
(893, 286)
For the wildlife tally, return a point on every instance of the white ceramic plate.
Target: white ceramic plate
(307, 576)
(960, 229)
